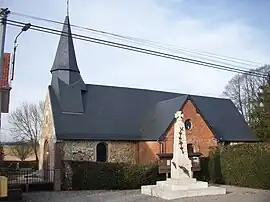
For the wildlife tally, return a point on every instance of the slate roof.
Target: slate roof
(117, 113)
(111, 113)
(96, 112)
(221, 116)
(160, 115)
(224, 119)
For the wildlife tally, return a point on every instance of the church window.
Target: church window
(101, 152)
(188, 124)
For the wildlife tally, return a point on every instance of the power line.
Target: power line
(137, 49)
(141, 50)
(148, 42)
(152, 43)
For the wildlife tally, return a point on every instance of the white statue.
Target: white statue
(180, 164)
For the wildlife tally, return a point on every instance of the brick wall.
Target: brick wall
(200, 136)
(4, 82)
(147, 152)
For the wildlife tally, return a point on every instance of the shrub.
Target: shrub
(214, 166)
(244, 165)
(94, 175)
(203, 174)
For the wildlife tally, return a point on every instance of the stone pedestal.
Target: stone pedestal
(181, 188)
(181, 184)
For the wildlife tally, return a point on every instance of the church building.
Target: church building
(88, 122)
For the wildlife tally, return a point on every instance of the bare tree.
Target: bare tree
(234, 91)
(26, 123)
(242, 89)
(22, 150)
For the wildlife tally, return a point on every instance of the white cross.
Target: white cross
(178, 115)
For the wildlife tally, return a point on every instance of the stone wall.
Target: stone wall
(47, 134)
(118, 151)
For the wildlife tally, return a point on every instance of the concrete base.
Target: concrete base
(186, 187)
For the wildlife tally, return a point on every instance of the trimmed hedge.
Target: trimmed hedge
(203, 174)
(112, 176)
(245, 165)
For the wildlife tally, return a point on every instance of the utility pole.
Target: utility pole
(3, 17)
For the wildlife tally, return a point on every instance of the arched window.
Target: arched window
(101, 152)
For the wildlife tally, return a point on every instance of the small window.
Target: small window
(188, 124)
(101, 152)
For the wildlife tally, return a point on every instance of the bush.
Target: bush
(214, 166)
(203, 174)
(94, 175)
(245, 165)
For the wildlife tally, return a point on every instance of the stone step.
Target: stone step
(168, 194)
(192, 185)
(147, 189)
(183, 181)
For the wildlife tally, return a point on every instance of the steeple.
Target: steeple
(65, 58)
(67, 82)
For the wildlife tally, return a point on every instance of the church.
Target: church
(88, 122)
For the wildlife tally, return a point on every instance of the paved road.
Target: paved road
(234, 195)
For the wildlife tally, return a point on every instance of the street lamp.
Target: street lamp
(24, 29)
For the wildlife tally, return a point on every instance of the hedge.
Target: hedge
(245, 165)
(203, 174)
(112, 176)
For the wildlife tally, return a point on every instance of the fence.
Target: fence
(28, 179)
(28, 176)
(18, 164)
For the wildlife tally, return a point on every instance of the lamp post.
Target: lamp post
(24, 29)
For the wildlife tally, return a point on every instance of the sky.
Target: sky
(231, 28)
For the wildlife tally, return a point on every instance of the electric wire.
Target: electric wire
(149, 42)
(123, 46)
(137, 49)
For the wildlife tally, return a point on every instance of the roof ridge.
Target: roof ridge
(171, 99)
(152, 90)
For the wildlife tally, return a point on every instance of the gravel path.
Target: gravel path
(235, 194)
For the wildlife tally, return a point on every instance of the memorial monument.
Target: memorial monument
(181, 184)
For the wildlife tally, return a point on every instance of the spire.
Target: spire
(65, 58)
(67, 82)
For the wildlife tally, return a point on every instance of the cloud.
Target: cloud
(148, 19)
